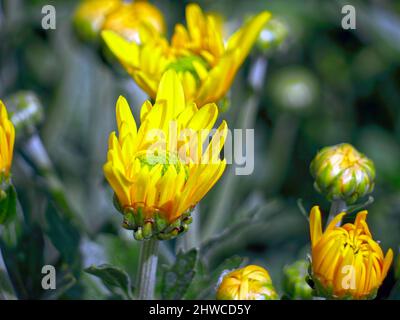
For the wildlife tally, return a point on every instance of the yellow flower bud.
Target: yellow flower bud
(7, 137)
(248, 283)
(341, 172)
(90, 15)
(7, 192)
(346, 262)
(127, 19)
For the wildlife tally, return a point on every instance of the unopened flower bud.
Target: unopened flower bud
(7, 193)
(294, 89)
(272, 35)
(346, 262)
(127, 19)
(26, 112)
(90, 15)
(341, 172)
(248, 283)
(295, 281)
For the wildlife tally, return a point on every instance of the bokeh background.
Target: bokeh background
(324, 85)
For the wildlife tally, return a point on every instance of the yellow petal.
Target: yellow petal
(246, 36)
(315, 225)
(124, 113)
(171, 91)
(335, 221)
(125, 51)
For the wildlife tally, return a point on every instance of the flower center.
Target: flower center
(186, 64)
(356, 244)
(166, 159)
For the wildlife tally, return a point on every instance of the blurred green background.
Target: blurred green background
(324, 85)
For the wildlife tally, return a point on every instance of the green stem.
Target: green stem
(147, 269)
(337, 206)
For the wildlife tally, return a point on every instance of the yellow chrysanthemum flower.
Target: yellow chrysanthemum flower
(248, 283)
(159, 172)
(7, 137)
(205, 64)
(92, 16)
(128, 17)
(346, 261)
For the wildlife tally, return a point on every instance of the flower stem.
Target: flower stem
(147, 269)
(337, 206)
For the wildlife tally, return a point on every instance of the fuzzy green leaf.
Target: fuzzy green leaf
(114, 279)
(177, 279)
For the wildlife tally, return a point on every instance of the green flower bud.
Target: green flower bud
(341, 172)
(295, 281)
(272, 35)
(26, 112)
(294, 89)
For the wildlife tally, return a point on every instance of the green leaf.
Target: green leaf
(229, 264)
(204, 284)
(64, 235)
(24, 261)
(115, 279)
(177, 278)
(8, 204)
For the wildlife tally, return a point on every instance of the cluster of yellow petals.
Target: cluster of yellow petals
(248, 283)
(128, 17)
(7, 137)
(205, 63)
(345, 259)
(124, 18)
(147, 171)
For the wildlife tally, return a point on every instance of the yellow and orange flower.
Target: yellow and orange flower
(248, 283)
(205, 64)
(7, 137)
(346, 261)
(160, 171)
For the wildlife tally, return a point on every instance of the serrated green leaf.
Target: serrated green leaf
(115, 279)
(177, 278)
